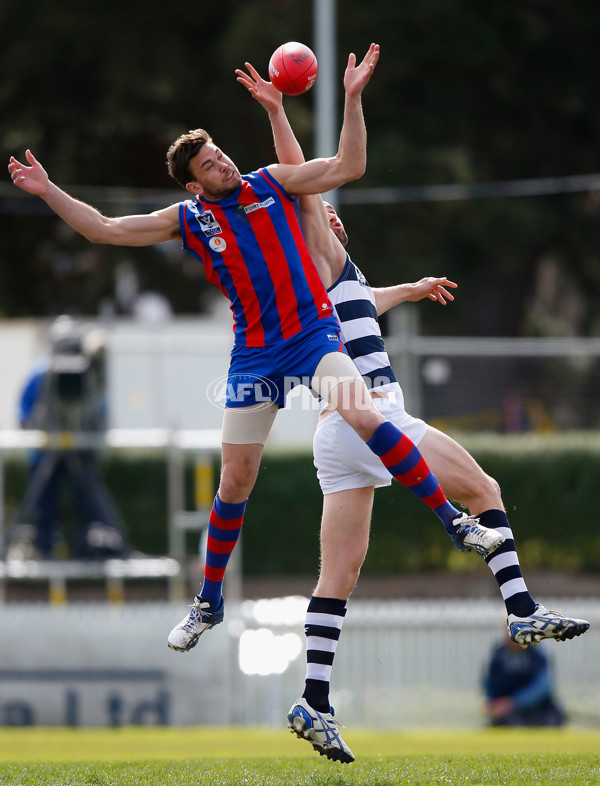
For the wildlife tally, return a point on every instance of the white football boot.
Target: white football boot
(185, 635)
(320, 729)
(544, 624)
(470, 535)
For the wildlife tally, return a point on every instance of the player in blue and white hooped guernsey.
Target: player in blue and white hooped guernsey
(348, 475)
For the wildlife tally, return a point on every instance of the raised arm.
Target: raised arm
(430, 287)
(286, 145)
(326, 251)
(324, 174)
(141, 230)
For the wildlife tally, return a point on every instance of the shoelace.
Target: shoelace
(470, 524)
(476, 532)
(196, 615)
(473, 527)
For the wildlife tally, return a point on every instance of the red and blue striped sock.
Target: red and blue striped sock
(224, 527)
(404, 461)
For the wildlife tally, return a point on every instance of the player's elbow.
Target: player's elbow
(102, 233)
(95, 237)
(361, 168)
(356, 168)
(347, 168)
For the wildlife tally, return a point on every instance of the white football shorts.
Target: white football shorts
(344, 461)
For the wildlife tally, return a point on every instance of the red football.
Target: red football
(293, 68)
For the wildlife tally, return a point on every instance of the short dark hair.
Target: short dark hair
(181, 153)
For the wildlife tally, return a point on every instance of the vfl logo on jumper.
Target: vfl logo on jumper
(251, 208)
(361, 279)
(208, 223)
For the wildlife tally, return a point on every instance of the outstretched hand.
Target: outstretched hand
(267, 95)
(434, 289)
(356, 77)
(33, 179)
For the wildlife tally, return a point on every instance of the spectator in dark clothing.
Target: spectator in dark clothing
(519, 688)
(65, 393)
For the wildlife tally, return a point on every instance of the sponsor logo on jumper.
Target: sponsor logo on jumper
(208, 223)
(217, 244)
(256, 205)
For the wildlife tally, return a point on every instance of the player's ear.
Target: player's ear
(194, 187)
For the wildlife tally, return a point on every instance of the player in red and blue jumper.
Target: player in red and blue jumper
(245, 232)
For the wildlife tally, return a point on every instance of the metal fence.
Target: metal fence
(399, 664)
(160, 378)
(407, 664)
(496, 384)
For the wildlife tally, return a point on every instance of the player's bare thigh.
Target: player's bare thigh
(459, 474)
(339, 382)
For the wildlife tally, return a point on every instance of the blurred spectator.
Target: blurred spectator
(145, 305)
(519, 688)
(152, 308)
(65, 392)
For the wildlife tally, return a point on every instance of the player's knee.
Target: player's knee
(338, 585)
(237, 481)
(338, 579)
(490, 487)
(486, 494)
(352, 579)
(365, 422)
(353, 567)
(494, 487)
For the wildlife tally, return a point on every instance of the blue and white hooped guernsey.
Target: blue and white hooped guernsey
(354, 304)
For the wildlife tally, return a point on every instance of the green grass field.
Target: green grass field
(236, 757)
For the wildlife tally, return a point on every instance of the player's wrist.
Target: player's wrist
(48, 189)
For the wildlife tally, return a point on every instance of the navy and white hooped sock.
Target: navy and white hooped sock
(224, 528)
(323, 625)
(504, 564)
(403, 460)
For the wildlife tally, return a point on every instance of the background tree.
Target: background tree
(464, 92)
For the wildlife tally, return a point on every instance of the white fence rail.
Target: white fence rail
(159, 376)
(400, 664)
(496, 384)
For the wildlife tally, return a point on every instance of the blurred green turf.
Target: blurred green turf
(156, 756)
(36, 744)
(410, 769)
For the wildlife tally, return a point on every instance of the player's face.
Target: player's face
(336, 225)
(215, 174)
